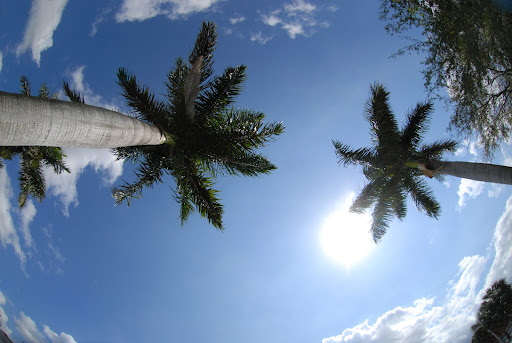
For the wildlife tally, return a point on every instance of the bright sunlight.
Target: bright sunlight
(345, 236)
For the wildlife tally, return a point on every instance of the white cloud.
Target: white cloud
(28, 329)
(3, 315)
(1, 59)
(63, 185)
(299, 6)
(8, 234)
(423, 322)
(450, 320)
(259, 38)
(27, 215)
(237, 20)
(469, 189)
(99, 19)
(297, 18)
(139, 10)
(45, 16)
(271, 19)
(294, 29)
(502, 266)
(62, 338)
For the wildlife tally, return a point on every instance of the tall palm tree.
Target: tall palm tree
(210, 136)
(396, 162)
(32, 158)
(193, 136)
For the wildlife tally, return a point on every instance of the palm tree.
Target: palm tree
(193, 136)
(396, 162)
(32, 158)
(210, 136)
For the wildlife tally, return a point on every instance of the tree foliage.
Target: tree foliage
(385, 164)
(207, 136)
(33, 158)
(468, 47)
(495, 313)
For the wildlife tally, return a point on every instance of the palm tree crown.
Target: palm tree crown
(391, 164)
(209, 136)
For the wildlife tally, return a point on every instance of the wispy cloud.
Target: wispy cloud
(44, 18)
(297, 18)
(448, 320)
(140, 10)
(1, 59)
(8, 233)
(236, 20)
(299, 6)
(259, 38)
(99, 19)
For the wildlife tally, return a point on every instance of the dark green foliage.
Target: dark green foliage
(207, 137)
(384, 164)
(72, 94)
(33, 158)
(495, 313)
(468, 47)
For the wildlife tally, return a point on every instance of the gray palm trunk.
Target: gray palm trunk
(31, 121)
(475, 171)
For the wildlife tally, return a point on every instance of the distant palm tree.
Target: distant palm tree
(210, 137)
(32, 158)
(396, 161)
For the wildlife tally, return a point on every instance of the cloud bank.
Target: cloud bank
(140, 10)
(28, 329)
(447, 320)
(44, 18)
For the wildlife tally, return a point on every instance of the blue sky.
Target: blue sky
(76, 268)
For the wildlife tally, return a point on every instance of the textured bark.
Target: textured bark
(28, 121)
(475, 171)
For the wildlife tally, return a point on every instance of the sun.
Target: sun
(345, 236)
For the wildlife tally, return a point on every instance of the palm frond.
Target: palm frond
(147, 174)
(44, 92)
(53, 157)
(25, 85)
(175, 88)
(416, 125)
(194, 188)
(242, 163)
(346, 155)
(423, 197)
(383, 124)
(72, 94)
(31, 178)
(367, 196)
(222, 91)
(434, 151)
(381, 216)
(205, 46)
(141, 100)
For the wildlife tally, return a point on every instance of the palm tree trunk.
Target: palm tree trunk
(29, 121)
(475, 171)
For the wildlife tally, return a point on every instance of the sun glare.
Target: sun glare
(345, 236)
